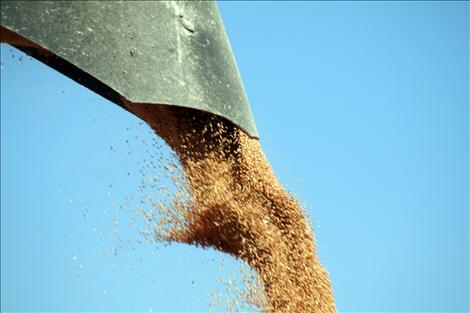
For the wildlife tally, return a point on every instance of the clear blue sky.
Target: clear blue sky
(362, 109)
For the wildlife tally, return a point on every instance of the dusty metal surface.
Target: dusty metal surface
(174, 53)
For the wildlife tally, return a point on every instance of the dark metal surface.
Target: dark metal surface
(174, 53)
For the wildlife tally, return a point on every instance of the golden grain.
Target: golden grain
(231, 200)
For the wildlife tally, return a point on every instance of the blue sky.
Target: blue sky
(362, 109)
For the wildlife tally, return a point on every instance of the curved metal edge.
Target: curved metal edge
(79, 75)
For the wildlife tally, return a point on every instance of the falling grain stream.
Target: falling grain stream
(239, 207)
